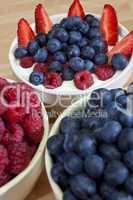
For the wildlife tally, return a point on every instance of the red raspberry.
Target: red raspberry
(2, 129)
(33, 125)
(33, 149)
(10, 93)
(104, 72)
(3, 83)
(26, 62)
(35, 102)
(83, 80)
(6, 138)
(15, 115)
(3, 108)
(4, 178)
(53, 80)
(17, 133)
(19, 156)
(41, 68)
(4, 161)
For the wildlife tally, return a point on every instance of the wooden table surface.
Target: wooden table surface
(12, 10)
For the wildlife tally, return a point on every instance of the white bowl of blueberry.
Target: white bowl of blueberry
(77, 54)
(89, 152)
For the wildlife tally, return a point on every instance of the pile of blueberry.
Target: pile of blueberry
(72, 50)
(93, 153)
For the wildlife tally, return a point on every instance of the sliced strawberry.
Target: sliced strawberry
(109, 25)
(42, 20)
(125, 46)
(24, 32)
(76, 9)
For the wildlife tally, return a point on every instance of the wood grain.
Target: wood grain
(12, 10)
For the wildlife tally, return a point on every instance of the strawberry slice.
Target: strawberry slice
(109, 25)
(125, 46)
(24, 32)
(76, 9)
(42, 20)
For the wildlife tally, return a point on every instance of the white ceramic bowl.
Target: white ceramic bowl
(77, 106)
(21, 185)
(68, 88)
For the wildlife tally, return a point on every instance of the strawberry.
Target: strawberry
(125, 46)
(42, 20)
(76, 9)
(104, 72)
(109, 25)
(24, 32)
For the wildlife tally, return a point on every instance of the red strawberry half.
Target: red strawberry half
(125, 46)
(109, 25)
(76, 9)
(42, 20)
(24, 32)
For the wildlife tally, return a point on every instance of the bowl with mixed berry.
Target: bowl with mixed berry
(74, 53)
(89, 152)
(23, 135)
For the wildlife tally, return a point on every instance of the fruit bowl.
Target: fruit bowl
(68, 89)
(20, 186)
(65, 150)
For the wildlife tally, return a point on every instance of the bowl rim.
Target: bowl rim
(124, 31)
(54, 131)
(36, 157)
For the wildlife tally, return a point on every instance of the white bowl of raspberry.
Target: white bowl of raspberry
(23, 136)
(78, 76)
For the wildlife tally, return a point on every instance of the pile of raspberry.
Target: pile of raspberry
(21, 128)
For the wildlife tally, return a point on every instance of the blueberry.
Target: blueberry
(112, 111)
(91, 123)
(36, 78)
(62, 35)
(82, 186)
(94, 33)
(53, 45)
(120, 196)
(89, 18)
(84, 27)
(89, 65)
(101, 59)
(110, 131)
(122, 101)
(55, 66)
(73, 51)
(115, 173)
(76, 63)
(68, 74)
(55, 144)
(95, 23)
(70, 141)
(109, 152)
(94, 166)
(106, 190)
(52, 32)
(128, 158)
(119, 61)
(41, 39)
(59, 176)
(129, 184)
(71, 23)
(64, 47)
(99, 46)
(96, 197)
(126, 119)
(106, 97)
(20, 52)
(74, 37)
(125, 140)
(85, 145)
(60, 57)
(87, 52)
(69, 124)
(33, 47)
(117, 92)
(41, 55)
(69, 196)
(84, 42)
(73, 164)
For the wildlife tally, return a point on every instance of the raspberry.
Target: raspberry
(3, 108)
(3, 83)
(26, 62)
(19, 156)
(83, 79)
(33, 149)
(4, 178)
(41, 68)
(6, 138)
(53, 80)
(104, 72)
(33, 125)
(10, 93)
(3, 158)
(35, 103)
(15, 115)
(17, 133)
(2, 128)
